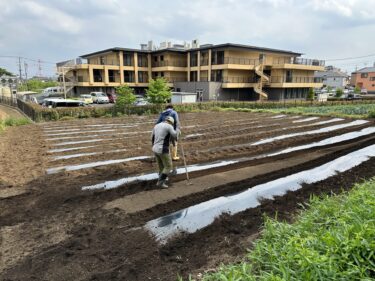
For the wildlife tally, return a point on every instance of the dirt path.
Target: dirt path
(22, 158)
(6, 112)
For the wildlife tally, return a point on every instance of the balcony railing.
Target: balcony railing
(142, 63)
(281, 79)
(231, 60)
(204, 61)
(103, 62)
(297, 60)
(239, 79)
(176, 79)
(169, 63)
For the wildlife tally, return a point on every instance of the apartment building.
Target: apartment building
(215, 72)
(364, 79)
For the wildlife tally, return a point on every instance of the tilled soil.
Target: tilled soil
(56, 231)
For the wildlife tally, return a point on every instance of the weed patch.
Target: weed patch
(333, 239)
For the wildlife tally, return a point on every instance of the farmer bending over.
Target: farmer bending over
(169, 111)
(162, 134)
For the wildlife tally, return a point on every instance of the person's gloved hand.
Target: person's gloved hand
(178, 131)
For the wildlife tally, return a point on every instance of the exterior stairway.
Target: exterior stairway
(264, 79)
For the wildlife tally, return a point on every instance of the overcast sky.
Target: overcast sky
(58, 30)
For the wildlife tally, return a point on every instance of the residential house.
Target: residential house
(364, 79)
(332, 77)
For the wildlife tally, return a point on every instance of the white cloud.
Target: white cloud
(52, 18)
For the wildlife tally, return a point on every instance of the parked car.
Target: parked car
(141, 101)
(363, 91)
(112, 97)
(56, 102)
(87, 99)
(353, 96)
(99, 97)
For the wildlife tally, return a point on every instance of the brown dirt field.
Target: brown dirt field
(53, 230)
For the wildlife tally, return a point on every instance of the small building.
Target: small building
(9, 81)
(332, 77)
(183, 97)
(364, 79)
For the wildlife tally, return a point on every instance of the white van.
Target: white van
(99, 97)
(52, 90)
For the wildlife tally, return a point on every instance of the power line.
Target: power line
(29, 59)
(351, 58)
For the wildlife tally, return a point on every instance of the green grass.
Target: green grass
(10, 121)
(332, 239)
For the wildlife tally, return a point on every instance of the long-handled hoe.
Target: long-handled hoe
(188, 182)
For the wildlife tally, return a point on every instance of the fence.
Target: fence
(38, 113)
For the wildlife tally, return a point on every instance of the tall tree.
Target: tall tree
(3, 71)
(158, 91)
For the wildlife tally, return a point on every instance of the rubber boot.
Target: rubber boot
(174, 153)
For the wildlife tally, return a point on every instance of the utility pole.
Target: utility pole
(39, 68)
(20, 69)
(63, 73)
(25, 67)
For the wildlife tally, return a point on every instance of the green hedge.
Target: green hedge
(38, 113)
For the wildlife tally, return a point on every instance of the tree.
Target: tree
(310, 94)
(357, 90)
(36, 85)
(158, 91)
(339, 93)
(125, 96)
(329, 89)
(3, 71)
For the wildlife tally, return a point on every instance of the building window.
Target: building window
(128, 76)
(193, 75)
(102, 60)
(161, 74)
(142, 60)
(217, 75)
(289, 76)
(372, 78)
(161, 58)
(111, 76)
(128, 59)
(194, 59)
(97, 75)
(217, 57)
(364, 75)
(142, 77)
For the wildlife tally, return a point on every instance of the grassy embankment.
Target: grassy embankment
(351, 111)
(332, 239)
(10, 121)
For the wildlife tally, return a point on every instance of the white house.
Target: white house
(333, 77)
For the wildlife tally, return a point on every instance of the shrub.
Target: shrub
(310, 94)
(125, 96)
(339, 93)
